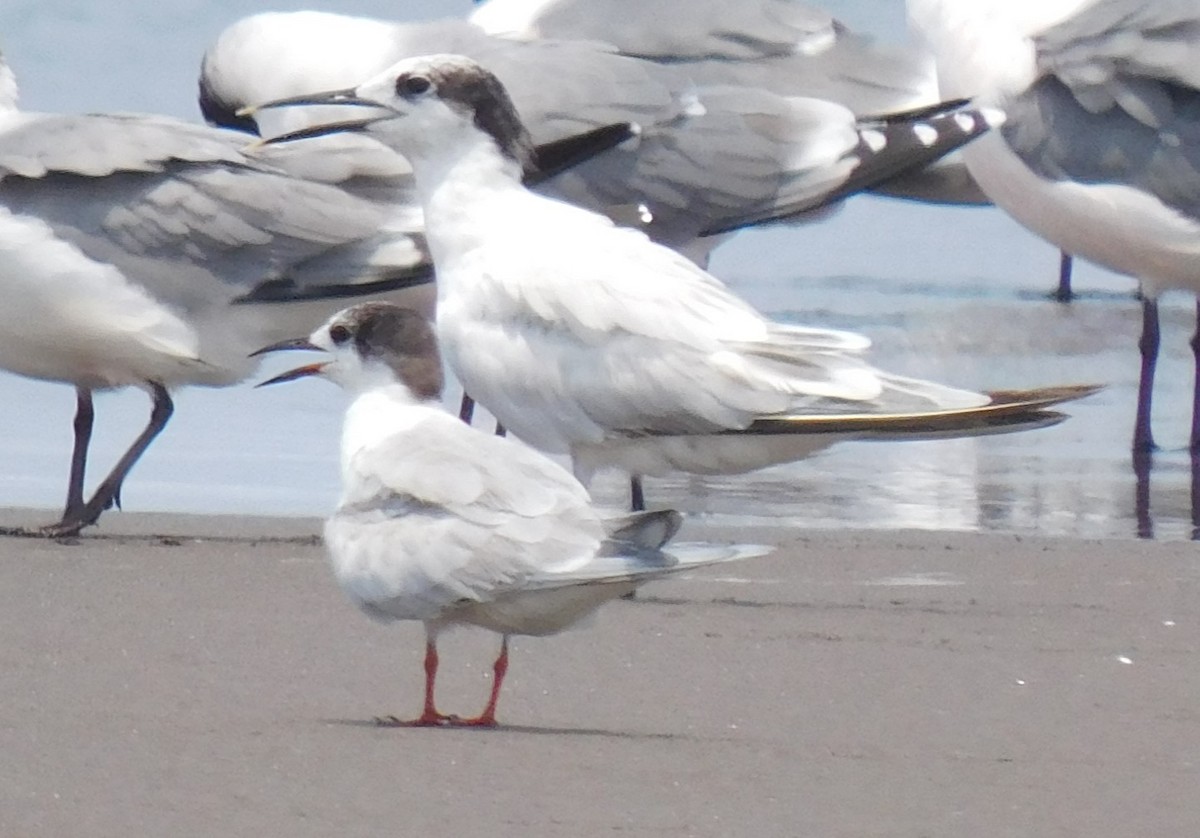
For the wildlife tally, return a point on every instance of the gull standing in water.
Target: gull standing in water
(1100, 153)
(442, 523)
(585, 338)
(143, 251)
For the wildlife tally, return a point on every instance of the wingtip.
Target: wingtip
(696, 554)
(1043, 396)
(994, 116)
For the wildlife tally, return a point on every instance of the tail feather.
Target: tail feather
(1005, 410)
(693, 554)
(641, 565)
(641, 531)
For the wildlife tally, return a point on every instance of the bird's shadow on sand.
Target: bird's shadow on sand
(535, 730)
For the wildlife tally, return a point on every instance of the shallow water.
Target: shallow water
(951, 294)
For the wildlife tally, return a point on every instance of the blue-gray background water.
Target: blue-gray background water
(957, 295)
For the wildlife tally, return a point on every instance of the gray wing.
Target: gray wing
(37, 145)
(1117, 101)
(726, 156)
(783, 46)
(468, 515)
(722, 140)
(179, 208)
(709, 150)
(709, 156)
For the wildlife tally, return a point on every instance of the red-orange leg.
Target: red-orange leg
(488, 717)
(429, 717)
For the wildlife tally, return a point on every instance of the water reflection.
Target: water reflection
(1077, 479)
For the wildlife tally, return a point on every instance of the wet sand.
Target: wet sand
(185, 676)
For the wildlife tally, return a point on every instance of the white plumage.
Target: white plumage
(146, 251)
(726, 140)
(587, 338)
(442, 523)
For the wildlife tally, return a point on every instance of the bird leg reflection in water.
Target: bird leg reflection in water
(1143, 462)
(1195, 497)
(1194, 439)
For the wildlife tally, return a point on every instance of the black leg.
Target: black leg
(500, 429)
(85, 415)
(1063, 292)
(1194, 442)
(109, 491)
(467, 411)
(637, 503)
(1143, 439)
(637, 497)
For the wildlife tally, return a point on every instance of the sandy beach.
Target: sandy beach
(168, 675)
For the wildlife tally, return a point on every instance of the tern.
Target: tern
(1100, 153)
(586, 338)
(442, 523)
(725, 142)
(143, 251)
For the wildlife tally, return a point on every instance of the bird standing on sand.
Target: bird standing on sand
(442, 523)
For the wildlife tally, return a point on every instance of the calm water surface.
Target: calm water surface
(951, 294)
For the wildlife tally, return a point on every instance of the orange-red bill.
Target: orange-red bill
(298, 372)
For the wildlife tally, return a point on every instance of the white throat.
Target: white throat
(378, 413)
(462, 180)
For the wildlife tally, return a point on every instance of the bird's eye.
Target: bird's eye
(339, 334)
(412, 85)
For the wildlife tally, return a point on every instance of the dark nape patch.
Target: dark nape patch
(480, 93)
(402, 338)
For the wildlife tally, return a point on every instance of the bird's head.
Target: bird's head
(371, 345)
(423, 103)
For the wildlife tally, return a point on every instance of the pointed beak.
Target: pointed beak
(336, 98)
(346, 96)
(303, 344)
(292, 375)
(345, 127)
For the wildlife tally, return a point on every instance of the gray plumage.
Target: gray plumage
(139, 250)
(719, 143)
(177, 205)
(1118, 101)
